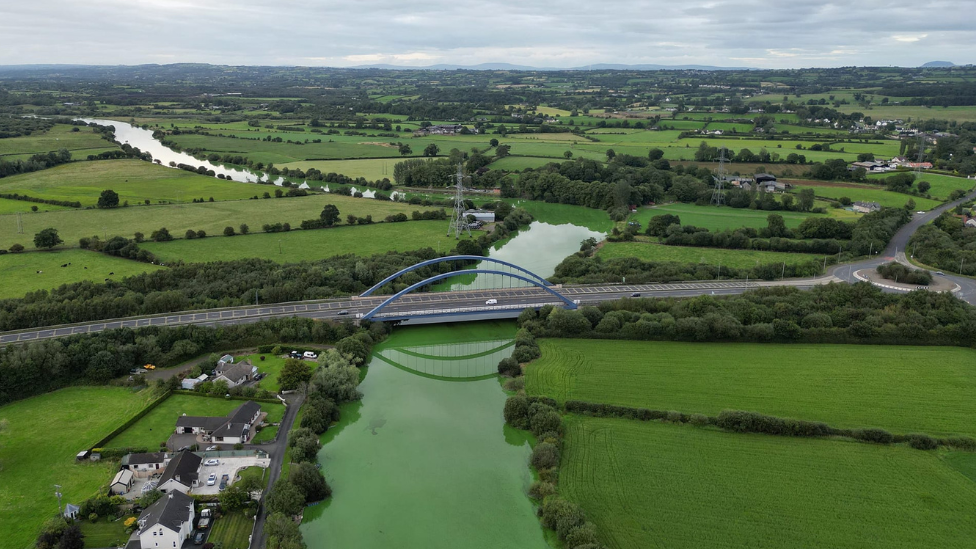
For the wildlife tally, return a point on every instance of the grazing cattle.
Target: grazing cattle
(65, 265)
(111, 273)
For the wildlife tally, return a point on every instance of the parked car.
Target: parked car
(150, 366)
(223, 485)
(310, 355)
(212, 479)
(212, 448)
(183, 448)
(211, 462)
(198, 539)
(204, 523)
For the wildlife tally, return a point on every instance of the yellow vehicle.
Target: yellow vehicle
(150, 366)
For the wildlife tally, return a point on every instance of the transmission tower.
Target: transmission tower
(921, 156)
(458, 222)
(718, 198)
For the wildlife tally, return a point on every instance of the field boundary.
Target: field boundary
(131, 421)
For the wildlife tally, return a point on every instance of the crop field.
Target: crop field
(8, 206)
(739, 259)
(19, 271)
(80, 143)
(900, 388)
(868, 194)
(717, 219)
(373, 169)
(134, 180)
(649, 484)
(38, 451)
(297, 245)
(942, 185)
(156, 426)
(211, 217)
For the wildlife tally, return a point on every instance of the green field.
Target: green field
(19, 271)
(373, 169)
(717, 219)
(649, 484)
(519, 163)
(156, 426)
(211, 217)
(560, 214)
(941, 185)
(80, 143)
(739, 259)
(134, 180)
(105, 533)
(271, 366)
(38, 451)
(899, 388)
(312, 245)
(869, 194)
(8, 206)
(232, 531)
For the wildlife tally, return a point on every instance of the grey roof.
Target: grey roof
(230, 430)
(237, 372)
(185, 466)
(201, 422)
(142, 459)
(245, 412)
(170, 511)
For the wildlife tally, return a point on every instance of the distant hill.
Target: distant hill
(932, 64)
(511, 67)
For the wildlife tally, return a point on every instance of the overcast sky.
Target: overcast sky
(563, 33)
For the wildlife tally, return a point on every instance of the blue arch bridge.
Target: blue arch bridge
(509, 289)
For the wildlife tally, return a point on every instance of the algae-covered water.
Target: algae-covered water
(426, 460)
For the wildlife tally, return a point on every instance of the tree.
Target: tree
(283, 533)
(924, 186)
(611, 154)
(910, 205)
(286, 498)
(294, 374)
(190, 234)
(806, 201)
(309, 480)
(161, 235)
(244, 228)
(330, 215)
(16, 248)
(72, 538)
(48, 238)
(431, 150)
(234, 497)
(493, 142)
(229, 231)
(108, 199)
(405, 149)
(502, 151)
(775, 225)
(567, 154)
(655, 154)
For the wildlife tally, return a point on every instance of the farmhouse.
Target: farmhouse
(167, 523)
(440, 129)
(181, 473)
(234, 428)
(122, 482)
(145, 465)
(235, 374)
(866, 207)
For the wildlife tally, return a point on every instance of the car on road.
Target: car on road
(344, 312)
(211, 462)
(212, 479)
(491, 302)
(150, 366)
(919, 213)
(198, 539)
(635, 294)
(940, 273)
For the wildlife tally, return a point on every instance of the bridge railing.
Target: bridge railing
(466, 310)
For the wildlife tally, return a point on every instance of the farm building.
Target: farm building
(866, 207)
(233, 428)
(168, 522)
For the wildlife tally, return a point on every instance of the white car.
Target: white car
(212, 479)
(310, 355)
(211, 462)
(212, 448)
(491, 302)
(920, 213)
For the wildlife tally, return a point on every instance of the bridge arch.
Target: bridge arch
(537, 280)
(368, 316)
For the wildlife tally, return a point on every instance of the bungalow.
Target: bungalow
(167, 523)
(122, 482)
(145, 465)
(232, 429)
(235, 374)
(181, 473)
(866, 207)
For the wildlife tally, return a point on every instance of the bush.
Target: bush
(540, 490)
(509, 367)
(561, 516)
(922, 442)
(699, 420)
(516, 411)
(581, 536)
(545, 455)
(879, 436)
(229, 231)
(515, 384)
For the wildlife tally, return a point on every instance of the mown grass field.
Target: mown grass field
(8, 206)
(156, 426)
(19, 271)
(900, 388)
(870, 194)
(650, 484)
(211, 217)
(105, 533)
(134, 180)
(941, 185)
(80, 143)
(271, 366)
(373, 169)
(740, 259)
(231, 531)
(38, 451)
(714, 218)
(311, 245)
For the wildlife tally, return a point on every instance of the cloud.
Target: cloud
(565, 33)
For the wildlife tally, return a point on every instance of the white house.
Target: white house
(181, 474)
(122, 482)
(145, 465)
(167, 523)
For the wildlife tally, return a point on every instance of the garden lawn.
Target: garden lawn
(19, 271)
(739, 259)
(714, 218)
(105, 533)
(157, 426)
(900, 388)
(259, 473)
(211, 217)
(231, 531)
(38, 451)
(134, 180)
(271, 366)
(652, 484)
(870, 194)
(298, 245)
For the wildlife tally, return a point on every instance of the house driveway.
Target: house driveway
(228, 466)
